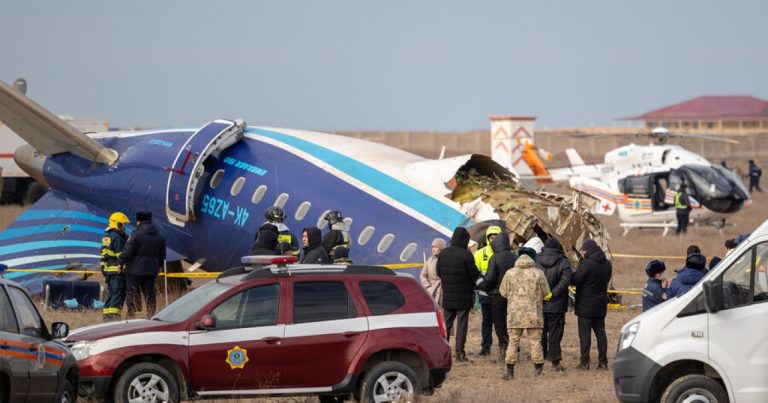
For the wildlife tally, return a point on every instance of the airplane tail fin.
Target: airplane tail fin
(573, 157)
(46, 132)
(56, 233)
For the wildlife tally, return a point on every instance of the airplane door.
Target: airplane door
(188, 167)
(738, 334)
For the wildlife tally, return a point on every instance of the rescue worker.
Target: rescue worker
(482, 257)
(754, 176)
(525, 289)
(502, 260)
(655, 290)
(313, 249)
(557, 270)
(141, 261)
(112, 246)
(341, 256)
(288, 244)
(459, 276)
(336, 236)
(683, 209)
(266, 241)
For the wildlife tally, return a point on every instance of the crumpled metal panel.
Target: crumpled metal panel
(525, 213)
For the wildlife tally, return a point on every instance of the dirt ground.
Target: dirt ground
(480, 380)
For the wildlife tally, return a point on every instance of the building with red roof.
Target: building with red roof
(711, 114)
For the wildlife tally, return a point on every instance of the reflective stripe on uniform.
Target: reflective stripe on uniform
(678, 204)
(111, 311)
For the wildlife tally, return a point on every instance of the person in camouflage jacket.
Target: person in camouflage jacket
(525, 288)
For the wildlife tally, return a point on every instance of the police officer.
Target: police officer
(683, 209)
(287, 242)
(754, 176)
(337, 236)
(112, 245)
(482, 257)
(655, 290)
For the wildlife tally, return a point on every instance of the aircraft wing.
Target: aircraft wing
(46, 132)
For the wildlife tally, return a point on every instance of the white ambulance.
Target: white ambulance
(708, 345)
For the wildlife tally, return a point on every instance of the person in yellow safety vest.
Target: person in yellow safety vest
(683, 209)
(112, 245)
(287, 243)
(482, 256)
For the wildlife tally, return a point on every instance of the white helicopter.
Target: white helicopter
(640, 182)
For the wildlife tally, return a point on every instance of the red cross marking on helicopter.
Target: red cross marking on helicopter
(606, 207)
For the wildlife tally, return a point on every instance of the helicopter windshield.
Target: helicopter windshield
(715, 187)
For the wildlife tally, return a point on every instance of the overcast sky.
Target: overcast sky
(347, 65)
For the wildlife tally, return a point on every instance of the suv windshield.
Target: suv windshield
(191, 302)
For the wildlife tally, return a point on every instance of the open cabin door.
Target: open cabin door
(188, 166)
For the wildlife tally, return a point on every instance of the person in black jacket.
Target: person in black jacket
(503, 259)
(141, 260)
(266, 241)
(313, 249)
(557, 270)
(459, 275)
(591, 280)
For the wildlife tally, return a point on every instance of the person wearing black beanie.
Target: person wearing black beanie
(655, 290)
(694, 270)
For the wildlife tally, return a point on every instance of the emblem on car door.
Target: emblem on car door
(237, 357)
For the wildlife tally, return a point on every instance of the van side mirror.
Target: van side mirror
(207, 322)
(59, 330)
(712, 300)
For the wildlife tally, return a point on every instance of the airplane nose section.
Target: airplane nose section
(31, 162)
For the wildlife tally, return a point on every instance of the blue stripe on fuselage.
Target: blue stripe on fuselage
(397, 190)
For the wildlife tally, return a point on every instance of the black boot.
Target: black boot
(537, 368)
(461, 356)
(510, 372)
(557, 366)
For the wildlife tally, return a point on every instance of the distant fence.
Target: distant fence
(592, 144)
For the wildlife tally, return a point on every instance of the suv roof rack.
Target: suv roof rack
(267, 271)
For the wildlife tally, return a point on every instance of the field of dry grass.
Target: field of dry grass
(480, 380)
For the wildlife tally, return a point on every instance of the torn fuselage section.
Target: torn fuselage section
(490, 197)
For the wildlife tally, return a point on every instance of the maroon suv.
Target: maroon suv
(332, 331)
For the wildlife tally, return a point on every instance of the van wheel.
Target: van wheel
(146, 382)
(67, 393)
(390, 381)
(694, 388)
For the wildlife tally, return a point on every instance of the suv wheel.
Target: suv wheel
(146, 382)
(67, 393)
(698, 388)
(390, 381)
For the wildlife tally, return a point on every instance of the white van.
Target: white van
(708, 345)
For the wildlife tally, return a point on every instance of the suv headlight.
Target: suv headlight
(82, 349)
(628, 335)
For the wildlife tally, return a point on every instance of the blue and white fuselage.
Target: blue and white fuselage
(395, 202)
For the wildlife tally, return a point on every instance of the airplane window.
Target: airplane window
(258, 194)
(385, 243)
(237, 186)
(321, 222)
(216, 178)
(280, 201)
(302, 211)
(365, 235)
(408, 251)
